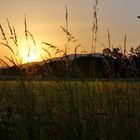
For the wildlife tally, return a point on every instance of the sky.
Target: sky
(44, 18)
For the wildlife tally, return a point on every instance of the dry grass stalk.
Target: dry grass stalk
(3, 34)
(75, 50)
(18, 58)
(69, 36)
(44, 59)
(8, 47)
(29, 51)
(109, 44)
(47, 52)
(15, 58)
(25, 25)
(57, 50)
(11, 60)
(10, 28)
(14, 37)
(50, 45)
(94, 27)
(125, 44)
(27, 33)
(32, 37)
(4, 64)
(67, 28)
(71, 39)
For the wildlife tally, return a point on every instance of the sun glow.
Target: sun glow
(33, 53)
(29, 58)
(29, 53)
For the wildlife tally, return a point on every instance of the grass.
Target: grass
(74, 110)
(82, 110)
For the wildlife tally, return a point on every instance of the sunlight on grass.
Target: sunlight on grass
(29, 52)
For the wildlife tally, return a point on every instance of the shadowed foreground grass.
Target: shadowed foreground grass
(69, 110)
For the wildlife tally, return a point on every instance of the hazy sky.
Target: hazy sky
(45, 16)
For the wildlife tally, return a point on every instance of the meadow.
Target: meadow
(73, 110)
(38, 108)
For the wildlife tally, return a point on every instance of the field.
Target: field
(72, 110)
(63, 107)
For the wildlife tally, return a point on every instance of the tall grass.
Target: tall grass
(12, 43)
(43, 110)
(125, 45)
(72, 110)
(94, 27)
(109, 41)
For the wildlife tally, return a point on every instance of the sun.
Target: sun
(29, 54)
(27, 58)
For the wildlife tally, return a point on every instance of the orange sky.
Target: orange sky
(45, 16)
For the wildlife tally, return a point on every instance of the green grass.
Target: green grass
(72, 110)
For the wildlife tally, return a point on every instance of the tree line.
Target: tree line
(111, 63)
